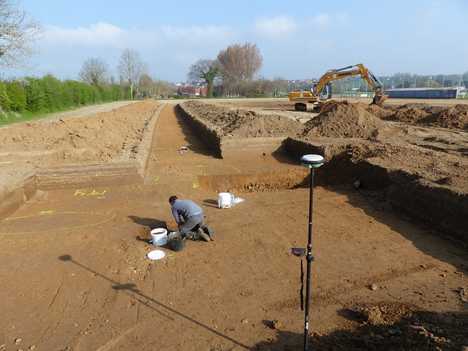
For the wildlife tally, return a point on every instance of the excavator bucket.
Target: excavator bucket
(379, 99)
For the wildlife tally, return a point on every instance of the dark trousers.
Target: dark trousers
(193, 223)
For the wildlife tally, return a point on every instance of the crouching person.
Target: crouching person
(190, 219)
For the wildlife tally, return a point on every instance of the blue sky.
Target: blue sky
(297, 39)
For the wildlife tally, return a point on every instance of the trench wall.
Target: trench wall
(227, 146)
(209, 136)
(22, 185)
(255, 181)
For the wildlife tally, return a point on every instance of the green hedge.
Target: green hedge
(32, 95)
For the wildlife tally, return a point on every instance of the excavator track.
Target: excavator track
(304, 106)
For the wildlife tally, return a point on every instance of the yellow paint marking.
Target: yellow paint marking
(203, 168)
(108, 215)
(238, 171)
(92, 193)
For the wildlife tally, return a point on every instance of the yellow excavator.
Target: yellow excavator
(321, 91)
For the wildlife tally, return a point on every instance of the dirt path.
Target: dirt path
(89, 110)
(76, 276)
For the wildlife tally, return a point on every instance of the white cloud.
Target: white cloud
(198, 37)
(100, 35)
(323, 20)
(184, 46)
(342, 19)
(277, 27)
(319, 45)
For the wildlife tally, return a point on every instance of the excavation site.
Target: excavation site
(83, 191)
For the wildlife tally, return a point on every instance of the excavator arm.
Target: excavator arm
(316, 96)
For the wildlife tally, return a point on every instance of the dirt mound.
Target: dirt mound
(381, 112)
(98, 138)
(410, 114)
(455, 117)
(243, 123)
(452, 117)
(345, 120)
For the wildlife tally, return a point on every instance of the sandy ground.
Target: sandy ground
(75, 270)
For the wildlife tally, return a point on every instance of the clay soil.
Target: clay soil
(81, 192)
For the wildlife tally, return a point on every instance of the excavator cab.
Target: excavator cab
(325, 93)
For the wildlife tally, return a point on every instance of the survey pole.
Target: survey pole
(310, 161)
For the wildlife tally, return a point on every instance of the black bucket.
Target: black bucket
(177, 240)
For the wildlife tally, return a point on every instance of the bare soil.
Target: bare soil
(81, 193)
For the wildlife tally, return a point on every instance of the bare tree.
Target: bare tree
(204, 71)
(95, 71)
(132, 68)
(18, 35)
(162, 89)
(280, 86)
(239, 63)
(464, 79)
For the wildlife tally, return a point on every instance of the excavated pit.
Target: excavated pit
(409, 159)
(372, 150)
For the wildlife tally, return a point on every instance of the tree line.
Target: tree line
(49, 94)
(234, 73)
(134, 78)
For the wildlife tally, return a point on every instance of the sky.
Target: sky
(297, 39)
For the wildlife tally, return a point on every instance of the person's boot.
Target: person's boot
(209, 231)
(202, 235)
(192, 236)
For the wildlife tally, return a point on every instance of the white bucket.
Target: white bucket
(159, 236)
(225, 200)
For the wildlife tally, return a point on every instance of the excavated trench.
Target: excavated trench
(437, 208)
(432, 204)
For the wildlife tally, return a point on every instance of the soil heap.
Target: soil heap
(243, 123)
(453, 117)
(98, 138)
(345, 120)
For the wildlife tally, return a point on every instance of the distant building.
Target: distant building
(187, 90)
(426, 93)
(190, 91)
(201, 91)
